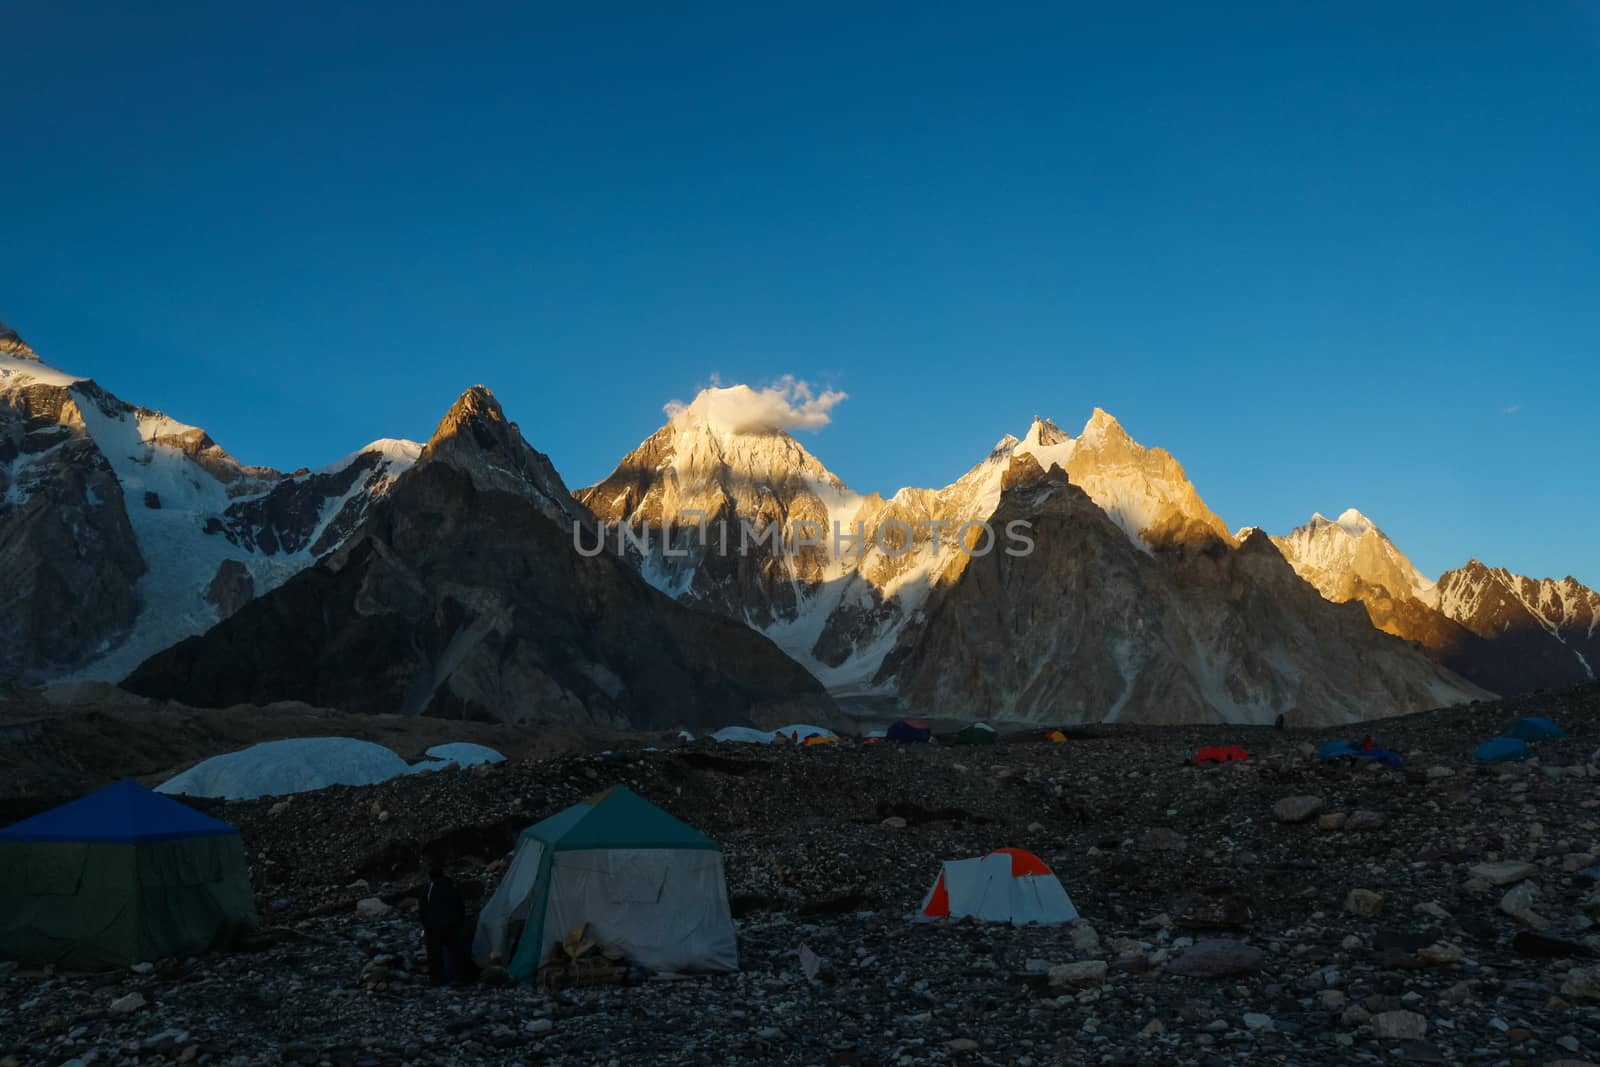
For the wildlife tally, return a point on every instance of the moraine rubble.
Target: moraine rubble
(1450, 916)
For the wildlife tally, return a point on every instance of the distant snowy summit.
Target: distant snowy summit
(1505, 632)
(123, 530)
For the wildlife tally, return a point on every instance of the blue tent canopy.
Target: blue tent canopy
(1534, 728)
(124, 812)
(1351, 750)
(1501, 750)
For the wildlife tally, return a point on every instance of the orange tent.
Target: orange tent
(819, 739)
(1007, 885)
(1055, 736)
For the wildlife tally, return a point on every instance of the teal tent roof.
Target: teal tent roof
(616, 818)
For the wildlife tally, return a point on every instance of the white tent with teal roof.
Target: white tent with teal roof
(645, 882)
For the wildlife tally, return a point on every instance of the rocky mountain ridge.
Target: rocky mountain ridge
(856, 610)
(1504, 631)
(123, 530)
(461, 594)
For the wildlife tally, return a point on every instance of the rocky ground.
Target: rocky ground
(1277, 911)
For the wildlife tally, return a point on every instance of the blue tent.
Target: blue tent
(1534, 728)
(125, 812)
(119, 876)
(1502, 750)
(1351, 750)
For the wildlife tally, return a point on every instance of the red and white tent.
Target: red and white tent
(1008, 885)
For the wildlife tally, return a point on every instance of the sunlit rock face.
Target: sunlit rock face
(1503, 631)
(1135, 602)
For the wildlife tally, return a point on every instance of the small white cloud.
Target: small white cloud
(1512, 410)
(789, 404)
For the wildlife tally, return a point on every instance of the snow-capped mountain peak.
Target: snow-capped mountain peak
(1354, 523)
(1042, 433)
(13, 345)
(20, 365)
(1335, 555)
(166, 532)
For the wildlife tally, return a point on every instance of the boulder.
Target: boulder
(1083, 973)
(1297, 809)
(1518, 903)
(1502, 873)
(1217, 958)
(1363, 902)
(1399, 1026)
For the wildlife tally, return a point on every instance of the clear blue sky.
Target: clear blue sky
(1329, 255)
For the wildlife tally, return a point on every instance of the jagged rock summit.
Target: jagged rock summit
(462, 595)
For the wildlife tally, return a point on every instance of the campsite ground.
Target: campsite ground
(831, 849)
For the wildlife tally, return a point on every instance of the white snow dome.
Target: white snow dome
(294, 765)
(742, 735)
(464, 754)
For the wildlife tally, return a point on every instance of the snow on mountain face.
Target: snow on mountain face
(462, 595)
(183, 531)
(858, 618)
(1331, 555)
(1091, 627)
(1553, 622)
(1507, 633)
(695, 485)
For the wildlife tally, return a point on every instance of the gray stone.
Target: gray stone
(1502, 873)
(1399, 1026)
(1083, 973)
(1363, 902)
(1582, 984)
(1518, 903)
(1217, 958)
(1297, 809)
(128, 1005)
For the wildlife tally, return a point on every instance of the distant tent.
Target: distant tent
(644, 881)
(908, 731)
(1055, 736)
(1334, 750)
(1008, 885)
(800, 733)
(1502, 750)
(1535, 728)
(976, 734)
(819, 739)
(118, 877)
(1221, 754)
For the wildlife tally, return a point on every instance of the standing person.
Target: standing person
(442, 914)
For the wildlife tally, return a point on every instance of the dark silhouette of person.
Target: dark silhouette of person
(443, 915)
